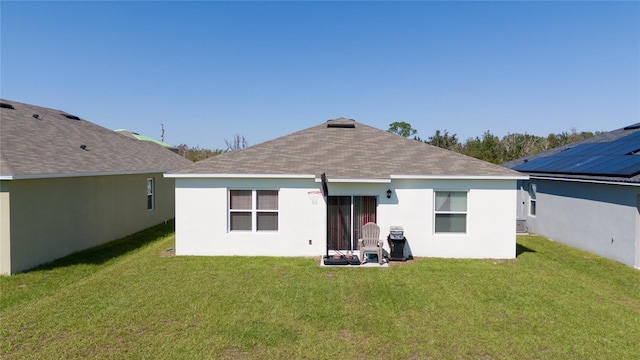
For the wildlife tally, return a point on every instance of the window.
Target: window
(451, 211)
(532, 199)
(253, 210)
(150, 189)
(267, 210)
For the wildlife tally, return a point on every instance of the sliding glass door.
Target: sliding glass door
(339, 222)
(345, 217)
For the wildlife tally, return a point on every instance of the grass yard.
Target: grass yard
(129, 300)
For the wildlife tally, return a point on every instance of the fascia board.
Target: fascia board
(583, 180)
(460, 177)
(241, 176)
(370, 181)
(70, 175)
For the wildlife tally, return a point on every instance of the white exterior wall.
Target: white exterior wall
(202, 213)
(599, 218)
(491, 217)
(201, 219)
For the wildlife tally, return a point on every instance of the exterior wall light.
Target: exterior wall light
(389, 194)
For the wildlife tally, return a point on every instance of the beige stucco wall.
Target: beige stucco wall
(52, 218)
(5, 226)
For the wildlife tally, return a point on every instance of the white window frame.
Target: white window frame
(151, 198)
(436, 212)
(254, 211)
(533, 201)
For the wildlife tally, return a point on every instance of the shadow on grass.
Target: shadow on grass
(103, 253)
(521, 249)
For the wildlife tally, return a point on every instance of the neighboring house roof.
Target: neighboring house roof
(137, 136)
(608, 157)
(38, 142)
(344, 149)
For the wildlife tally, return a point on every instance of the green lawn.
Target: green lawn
(128, 299)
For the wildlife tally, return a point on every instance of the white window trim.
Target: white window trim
(436, 212)
(533, 187)
(254, 212)
(151, 193)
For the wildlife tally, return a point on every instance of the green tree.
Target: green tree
(197, 153)
(518, 145)
(444, 140)
(565, 138)
(488, 148)
(402, 128)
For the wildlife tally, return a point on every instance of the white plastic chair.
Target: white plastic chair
(370, 242)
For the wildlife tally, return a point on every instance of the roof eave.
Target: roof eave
(70, 175)
(240, 176)
(348, 180)
(356, 180)
(592, 181)
(460, 177)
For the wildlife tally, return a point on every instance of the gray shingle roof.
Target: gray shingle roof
(602, 138)
(342, 152)
(43, 142)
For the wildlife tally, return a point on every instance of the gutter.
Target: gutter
(584, 180)
(241, 176)
(460, 177)
(57, 176)
(348, 180)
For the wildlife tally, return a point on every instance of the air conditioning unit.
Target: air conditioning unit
(521, 226)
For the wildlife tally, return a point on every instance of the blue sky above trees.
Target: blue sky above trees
(211, 70)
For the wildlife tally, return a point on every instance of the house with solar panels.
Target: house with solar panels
(309, 193)
(586, 194)
(67, 184)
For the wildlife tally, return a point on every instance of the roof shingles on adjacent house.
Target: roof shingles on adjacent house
(344, 149)
(612, 157)
(38, 142)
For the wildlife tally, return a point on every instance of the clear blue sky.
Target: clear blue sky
(211, 70)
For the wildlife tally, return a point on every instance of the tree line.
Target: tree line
(197, 153)
(490, 147)
(487, 147)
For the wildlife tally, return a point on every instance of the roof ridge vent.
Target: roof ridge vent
(632, 127)
(341, 123)
(69, 116)
(6, 106)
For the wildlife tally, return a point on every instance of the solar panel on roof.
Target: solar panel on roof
(621, 165)
(569, 163)
(621, 148)
(577, 150)
(629, 168)
(604, 165)
(533, 164)
(593, 162)
(613, 158)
